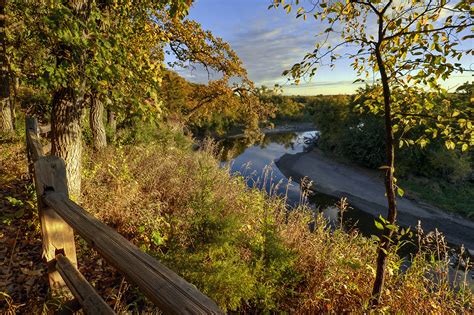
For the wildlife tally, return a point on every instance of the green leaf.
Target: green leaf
(156, 238)
(378, 225)
(375, 238)
(450, 145)
(20, 213)
(14, 202)
(400, 192)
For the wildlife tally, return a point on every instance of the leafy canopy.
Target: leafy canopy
(420, 42)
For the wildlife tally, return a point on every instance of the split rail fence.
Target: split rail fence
(60, 218)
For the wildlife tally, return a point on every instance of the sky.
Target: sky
(270, 41)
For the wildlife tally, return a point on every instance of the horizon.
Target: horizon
(271, 41)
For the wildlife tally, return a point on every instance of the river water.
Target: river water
(257, 164)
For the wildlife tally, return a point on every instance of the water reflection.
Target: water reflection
(234, 147)
(255, 161)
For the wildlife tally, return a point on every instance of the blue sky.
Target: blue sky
(270, 41)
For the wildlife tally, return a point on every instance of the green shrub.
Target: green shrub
(189, 213)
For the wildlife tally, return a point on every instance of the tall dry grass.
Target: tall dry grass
(243, 248)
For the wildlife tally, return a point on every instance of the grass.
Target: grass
(457, 198)
(242, 247)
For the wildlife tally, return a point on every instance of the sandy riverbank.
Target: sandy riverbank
(364, 189)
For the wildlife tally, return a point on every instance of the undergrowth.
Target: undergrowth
(245, 249)
(456, 197)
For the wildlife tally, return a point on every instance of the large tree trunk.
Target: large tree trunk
(66, 136)
(389, 184)
(68, 107)
(96, 121)
(6, 122)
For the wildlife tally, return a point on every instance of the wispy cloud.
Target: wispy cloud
(266, 45)
(270, 41)
(269, 46)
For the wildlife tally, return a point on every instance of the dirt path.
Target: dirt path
(365, 190)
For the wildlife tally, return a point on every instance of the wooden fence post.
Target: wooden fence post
(58, 236)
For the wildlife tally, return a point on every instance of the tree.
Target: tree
(102, 52)
(216, 105)
(229, 96)
(87, 47)
(286, 108)
(411, 44)
(6, 115)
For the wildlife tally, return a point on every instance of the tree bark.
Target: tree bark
(66, 136)
(96, 120)
(389, 183)
(6, 121)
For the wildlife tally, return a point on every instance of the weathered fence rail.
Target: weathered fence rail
(60, 217)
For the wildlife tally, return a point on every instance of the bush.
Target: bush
(182, 208)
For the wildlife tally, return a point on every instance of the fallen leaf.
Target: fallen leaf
(29, 272)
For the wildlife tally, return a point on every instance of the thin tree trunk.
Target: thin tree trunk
(6, 122)
(96, 120)
(389, 184)
(14, 98)
(66, 136)
(112, 122)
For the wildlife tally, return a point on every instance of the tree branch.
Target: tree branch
(446, 27)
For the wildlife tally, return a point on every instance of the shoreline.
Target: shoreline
(365, 190)
(297, 127)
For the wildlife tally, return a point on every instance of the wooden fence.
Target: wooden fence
(60, 217)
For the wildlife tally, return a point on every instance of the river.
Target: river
(270, 164)
(256, 160)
